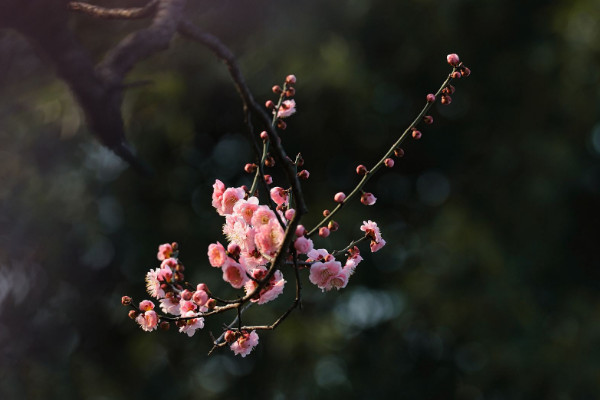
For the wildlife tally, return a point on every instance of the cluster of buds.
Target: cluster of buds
(265, 238)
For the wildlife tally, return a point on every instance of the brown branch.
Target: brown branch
(114, 13)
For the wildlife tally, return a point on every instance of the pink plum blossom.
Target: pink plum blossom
(262, 216)
(186, 306)
(322, 273)
(170, 305)
(146, 305)
(230, 197)
(289, 214)
(368, 199)
(319, 255)
(234, 273)
(190, 326)
(340, 280)
(279, 195)
(303, 245)
(153, 284)
(239, 232)
(353, 260)
(246, 208)
(169, 263)
(245, 343)
(270, 291)
(164, 251)
(216, 254)
(217, 196)
(251, 260)
(287, 108)
(269, 238)
(148, 321)
(372, 231)
(200, 297)
(377, 245)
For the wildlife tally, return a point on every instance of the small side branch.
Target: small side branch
(114, 13)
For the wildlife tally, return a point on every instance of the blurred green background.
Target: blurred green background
(489, 287)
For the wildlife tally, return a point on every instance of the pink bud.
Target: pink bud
(428, 119)
(453, 59)
(146, 305)
(326, 213)
(250, 168)
(233, 249)
(268, 179)
(269, 104)
(399, 152)
(388, 162)
(289, 214)
(277, 89)
(455, 75)
(368, 199)
(361, 170)
(202, 286)
(126, 300)
(466, 72)
(304, 174)
(430, 98)
(290, 79)
(339, 197)
(333, 226)
(230, 336)
(186, 295)
(281, 124)
(264, 135)
(416, 134)
(290, 92)
(446, 99)
(133, 314)
(300, 230)
(324, 231)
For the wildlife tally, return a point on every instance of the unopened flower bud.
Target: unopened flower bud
(126, 300)
(270, 161)
(430, 98)
(399, 152)
(428, 119)
(339, 197)
(165, 325)
(211, 304)
(250, 168)
(326, 213)
(361, 170)
(277, 89)
(264, 135)
(289, 214)
(416, 134)
(448, 89)
(132, 314)
(456, 75)
(281, 124)
(233, 249)
(453, 59)
(269, 104)
(179, 267)
(179, 276)
(388, 162)
(186, 295)
(290, 79)
(304, 174)
(290, 92)
(324, 231)
(465, 71)
(368, 199)
(202, 286)
(230, 336)
(300, 230)
(268, 179)
(446, 99)
(175, 246)
(333, 226)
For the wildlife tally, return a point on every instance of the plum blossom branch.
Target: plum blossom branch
(458, 70)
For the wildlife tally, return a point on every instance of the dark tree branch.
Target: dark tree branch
(114, 13)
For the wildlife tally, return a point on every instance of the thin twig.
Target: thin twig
(114, 13)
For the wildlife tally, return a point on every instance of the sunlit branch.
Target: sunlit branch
(114, 13)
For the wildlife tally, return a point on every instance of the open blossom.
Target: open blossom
(230, 197)
(234, 273)
(153, 284)
(303, 245)
(216, 254)
(262, 216)
(271, 290)
(279, 195)
(372, 231)
(217, 196)
(190, 326)
(186, 306)
(287, 108)
(319, 255)
(170, 305)
(322, 274)
(245, 343)
(269, 238)
(246, 208)
(164, 251)
(239, 232)
(340, 280)
(353, 260)
(148, 321)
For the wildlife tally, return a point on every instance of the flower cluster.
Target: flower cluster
(264, 239)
